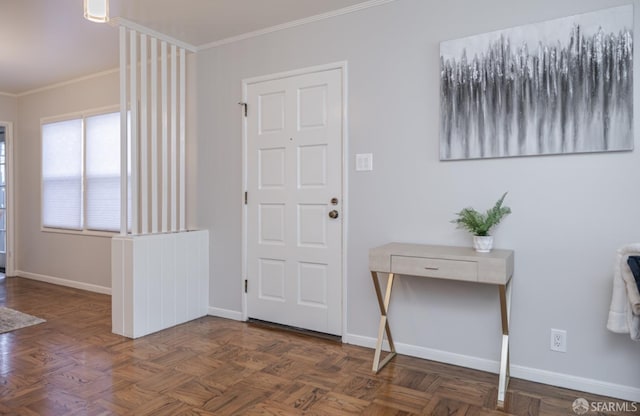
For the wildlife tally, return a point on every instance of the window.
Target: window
(62, 174)
(81, 173)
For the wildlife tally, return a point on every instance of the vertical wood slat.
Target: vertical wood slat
(154, 135)
(133, 105)
(174, 140)
(183, 179)
(165, 138)
(123, 131)
(144, 137)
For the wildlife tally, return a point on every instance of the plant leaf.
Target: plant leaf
(481, 224)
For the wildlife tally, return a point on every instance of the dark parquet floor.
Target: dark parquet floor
(74, 365)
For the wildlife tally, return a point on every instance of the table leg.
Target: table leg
(505, 307)
(384, 323)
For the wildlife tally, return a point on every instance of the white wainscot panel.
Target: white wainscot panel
(160, 280)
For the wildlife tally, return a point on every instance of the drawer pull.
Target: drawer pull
(432, 268)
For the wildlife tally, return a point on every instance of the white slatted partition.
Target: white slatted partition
(156, 83)
(160, 271)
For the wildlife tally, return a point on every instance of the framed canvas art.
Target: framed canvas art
(556, 87)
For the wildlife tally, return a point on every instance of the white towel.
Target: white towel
(624, 313)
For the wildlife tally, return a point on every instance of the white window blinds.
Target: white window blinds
(62, 174)
(81, 173)
(103, 172)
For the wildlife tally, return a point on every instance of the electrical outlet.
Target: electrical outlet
(558, 340)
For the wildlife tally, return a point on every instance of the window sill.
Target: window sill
(86, 233)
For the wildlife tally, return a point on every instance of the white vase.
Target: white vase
(483, 244)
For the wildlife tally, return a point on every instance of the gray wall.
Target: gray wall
(8, 109)
(76, 258)
(570, 213)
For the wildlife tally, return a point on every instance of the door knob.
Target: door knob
(333, 214)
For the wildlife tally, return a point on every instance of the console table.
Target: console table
(443, 262)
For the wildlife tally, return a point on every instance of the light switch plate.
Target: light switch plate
(364, 162)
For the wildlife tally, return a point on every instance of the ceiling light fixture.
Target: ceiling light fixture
(96, 10)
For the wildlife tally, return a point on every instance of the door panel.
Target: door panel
(294, 170)
(312, 166)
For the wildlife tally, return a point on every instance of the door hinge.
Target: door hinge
(245, 105)
(246, 197)
(246, 285)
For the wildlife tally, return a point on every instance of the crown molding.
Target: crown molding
(295, 23)
(71, 81)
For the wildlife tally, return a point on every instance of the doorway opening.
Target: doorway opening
(7, 264)
(3, 200)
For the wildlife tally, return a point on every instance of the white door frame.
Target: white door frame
(342, 66)
(9, 220)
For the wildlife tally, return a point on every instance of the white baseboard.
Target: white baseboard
(225, 313)
(64, 282)
(517, 371)
(568, 381)
(428, 354)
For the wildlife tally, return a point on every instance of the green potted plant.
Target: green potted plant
(480, 224)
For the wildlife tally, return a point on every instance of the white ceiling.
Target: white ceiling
(43, 42)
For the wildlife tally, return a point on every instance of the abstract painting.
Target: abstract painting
(556, 87)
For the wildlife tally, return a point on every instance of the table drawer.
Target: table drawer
(433, 267)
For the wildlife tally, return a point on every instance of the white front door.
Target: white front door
(294, 209)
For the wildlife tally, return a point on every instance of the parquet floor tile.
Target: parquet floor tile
(365, 388)
(402, 398)
(73, 365)
(339, 404)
